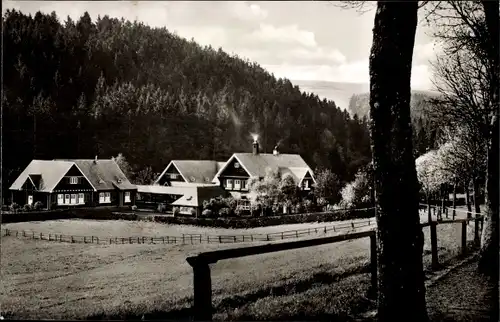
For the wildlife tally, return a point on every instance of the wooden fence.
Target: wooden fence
(201, 270)
(190, 238)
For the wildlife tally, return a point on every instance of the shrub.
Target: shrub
(308, 205)
(176, 211)
(193, 211)
(134, 207)
(27, 207)
(207, 213)
(225, 212)
(38, 205)
(14, 207)
(239, 211)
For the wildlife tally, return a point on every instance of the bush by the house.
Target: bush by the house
(134, 207)
(193, 212)
(27, 207)
(207, 213)
(14, 207)
(38, 205)
(176, 211)
(219, 203)
(240, 211)
(225, 212)
(356, 194)
(308, 205)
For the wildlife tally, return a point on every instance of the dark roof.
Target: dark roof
(103, 175)
(196, 171)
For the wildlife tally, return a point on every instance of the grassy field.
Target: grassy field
(54, 280)
(123, 228)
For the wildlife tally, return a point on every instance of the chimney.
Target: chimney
(255, 147)
(95, 160)
(275, 151)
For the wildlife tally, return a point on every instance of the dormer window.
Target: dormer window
(73, 180)
(236, 165)
(101, 181)
(119, 180)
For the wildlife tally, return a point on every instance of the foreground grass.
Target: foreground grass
(50, 280)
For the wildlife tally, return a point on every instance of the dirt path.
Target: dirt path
(463, 295)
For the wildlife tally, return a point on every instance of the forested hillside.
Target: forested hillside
(80, 89)
(424, 134)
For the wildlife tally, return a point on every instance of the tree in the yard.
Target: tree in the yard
(356, 194)
(468, 80)
(431, 175)
(145, 176)
(327, 187)
(401, 290)
(124, 165)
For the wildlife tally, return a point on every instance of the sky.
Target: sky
(299, 40)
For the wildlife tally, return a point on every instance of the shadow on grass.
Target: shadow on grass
(229, 303)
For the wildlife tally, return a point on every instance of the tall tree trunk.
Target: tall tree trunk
(454, 200)
(401, 291)
(429, 211)
(489, 240)
(467, 200)
(475, 187)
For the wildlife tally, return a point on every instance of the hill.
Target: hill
(359, 103)
(424, 133)
(339, 91)
(77, 89)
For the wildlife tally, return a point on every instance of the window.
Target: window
(60, 199)
(172, 176)
(236, 165)
(81, 198)
(127, 196)
(306, 184)
(243, 184)
(104, 197)
(73, 198)
(229, 183)
(73, 180)
(237, 184)
(66, 199)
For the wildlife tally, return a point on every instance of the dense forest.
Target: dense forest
(76, 89)
(425, 135)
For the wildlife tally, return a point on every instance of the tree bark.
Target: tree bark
(475, 186)
(454, 200)
(489, 256)
(401, 291)
(467, 200)
(429, 211)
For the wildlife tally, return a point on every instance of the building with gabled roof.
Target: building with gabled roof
(73, 183)
(240, 167)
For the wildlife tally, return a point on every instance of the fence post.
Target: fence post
(202, 284)
(464, 237)
(163, 240)
(24, 233)
(130, 240)
(476, 230)
(152, 241)
(325, 229)
(373, 262)
(191, 239)
(267, 237)
(200, 238)
(234, 238)
(41, 236)
(434, 250)
(183, 238)
(97, 238)
(220, 239)
(297, 233)
(281, 235)
(84, 239)
(72, 239)
(168, 240)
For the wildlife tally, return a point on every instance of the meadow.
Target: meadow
(52, 280)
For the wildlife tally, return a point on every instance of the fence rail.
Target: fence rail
(202, 282)
(190, 238)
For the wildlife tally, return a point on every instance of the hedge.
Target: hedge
(253, 222)
(80, 213)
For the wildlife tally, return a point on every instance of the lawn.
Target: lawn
(52, 280)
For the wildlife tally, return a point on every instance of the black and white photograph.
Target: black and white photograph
(250, 160)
